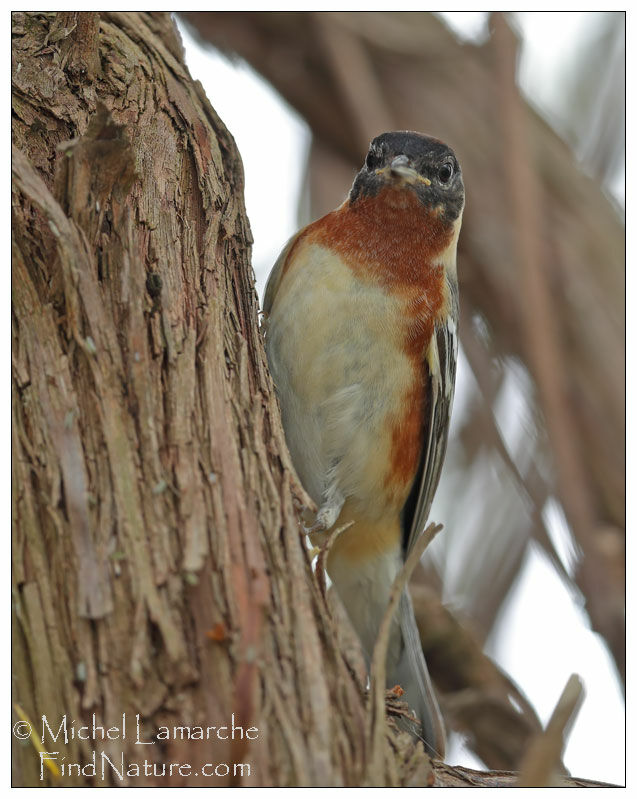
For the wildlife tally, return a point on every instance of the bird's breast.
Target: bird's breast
(390, 239)
(347, 355)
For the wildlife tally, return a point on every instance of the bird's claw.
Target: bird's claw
(317, 527)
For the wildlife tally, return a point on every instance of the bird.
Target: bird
(360, 317)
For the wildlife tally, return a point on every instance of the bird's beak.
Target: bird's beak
(401, 169)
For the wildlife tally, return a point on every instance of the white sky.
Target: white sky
(596, 747)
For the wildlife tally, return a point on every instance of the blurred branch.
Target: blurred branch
(378, 671)
(477, 698)
(353, 73)
(544, 345)
(542, 760)
(535, 490)
(597, 82)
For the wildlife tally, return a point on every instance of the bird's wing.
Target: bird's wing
(440, 378)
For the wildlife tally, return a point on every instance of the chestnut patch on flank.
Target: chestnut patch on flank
(391, 238)
(423, 304)
(406, 437)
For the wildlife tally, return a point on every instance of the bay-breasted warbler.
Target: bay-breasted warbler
(361, 313)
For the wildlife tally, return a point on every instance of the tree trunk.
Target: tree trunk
(168, 628)
(158, 567)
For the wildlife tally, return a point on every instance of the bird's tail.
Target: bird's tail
(410, 672)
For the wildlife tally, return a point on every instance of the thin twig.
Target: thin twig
(543, 756)
(323, 552)
(379, 656)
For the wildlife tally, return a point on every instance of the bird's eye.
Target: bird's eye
(373, 158)
(445, 173)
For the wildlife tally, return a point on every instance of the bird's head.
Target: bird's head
(410, 162)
